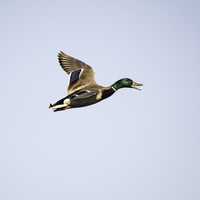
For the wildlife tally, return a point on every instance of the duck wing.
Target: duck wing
(83, 98)
(83, 94)
(81, 74)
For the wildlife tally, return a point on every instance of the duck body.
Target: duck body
(83, 89)
(84, 97)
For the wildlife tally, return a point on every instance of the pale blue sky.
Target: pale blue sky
(135, 145)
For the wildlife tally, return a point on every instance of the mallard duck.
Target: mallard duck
(83, 89)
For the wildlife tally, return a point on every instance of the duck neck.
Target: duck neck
(117, 85)
(107, 92)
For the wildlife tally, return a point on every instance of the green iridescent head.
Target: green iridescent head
(126, 83)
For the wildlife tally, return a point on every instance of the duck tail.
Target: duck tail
(50, 105)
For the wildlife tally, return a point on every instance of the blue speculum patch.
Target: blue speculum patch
(74, 77)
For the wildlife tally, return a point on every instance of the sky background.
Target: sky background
(136, 144)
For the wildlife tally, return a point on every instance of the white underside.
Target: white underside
(59, 106)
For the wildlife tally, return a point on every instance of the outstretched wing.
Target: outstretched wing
(81, 74)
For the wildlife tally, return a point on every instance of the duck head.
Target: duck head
(127, 83)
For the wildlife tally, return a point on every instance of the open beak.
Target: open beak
(137, 86)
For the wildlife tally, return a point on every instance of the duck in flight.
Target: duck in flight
(83, 89)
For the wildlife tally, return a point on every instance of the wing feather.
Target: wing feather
(81, 74)
(70, 64)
